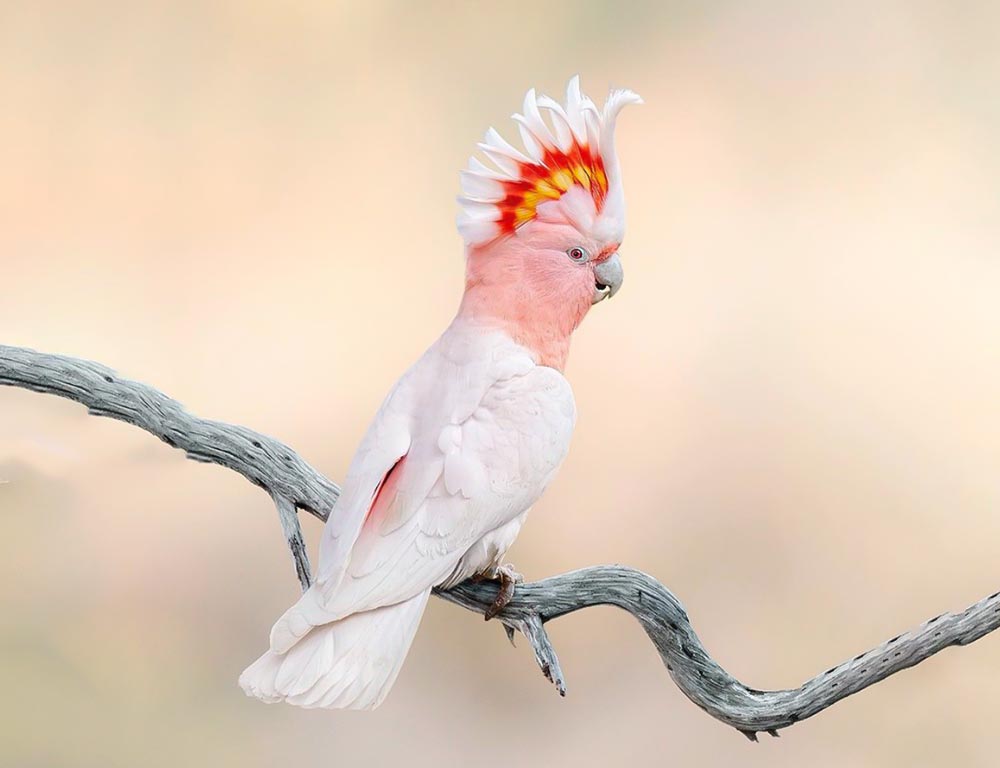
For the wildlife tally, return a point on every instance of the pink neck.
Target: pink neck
(528, 302)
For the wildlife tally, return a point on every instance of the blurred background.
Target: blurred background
(789, 415)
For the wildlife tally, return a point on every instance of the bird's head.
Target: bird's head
(542, 225)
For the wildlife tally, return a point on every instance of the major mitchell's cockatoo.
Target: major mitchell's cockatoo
(471, 435)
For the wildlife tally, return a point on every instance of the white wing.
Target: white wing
(383, 446)
(466, 442)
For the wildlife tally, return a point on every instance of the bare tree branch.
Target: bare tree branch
(693, 670)
(262, 460)
(294, 484)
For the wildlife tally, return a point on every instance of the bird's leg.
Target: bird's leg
(508, 579)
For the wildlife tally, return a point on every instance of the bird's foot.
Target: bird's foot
(508, 579)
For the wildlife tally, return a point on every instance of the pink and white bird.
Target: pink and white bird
(471, 435)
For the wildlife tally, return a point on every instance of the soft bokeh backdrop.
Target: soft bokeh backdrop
(789, 415)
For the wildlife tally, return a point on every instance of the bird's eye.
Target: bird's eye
(578, 254)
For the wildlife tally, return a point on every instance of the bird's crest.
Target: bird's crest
(577, 149)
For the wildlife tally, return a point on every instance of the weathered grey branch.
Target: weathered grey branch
(262, 460)
(695, 672)
(294, 484)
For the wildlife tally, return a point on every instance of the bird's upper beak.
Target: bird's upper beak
(608, 278)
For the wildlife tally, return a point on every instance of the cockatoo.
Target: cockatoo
(471, 435)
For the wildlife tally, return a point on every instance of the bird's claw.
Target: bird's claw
(508, 579)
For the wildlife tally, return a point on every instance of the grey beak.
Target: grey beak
(608, 277)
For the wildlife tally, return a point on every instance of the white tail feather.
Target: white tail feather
(347, 664)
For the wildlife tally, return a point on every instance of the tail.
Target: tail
(347, 664)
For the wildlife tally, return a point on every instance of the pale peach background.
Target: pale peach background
(789, 414)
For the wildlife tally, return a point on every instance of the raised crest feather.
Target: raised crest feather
(574, 147)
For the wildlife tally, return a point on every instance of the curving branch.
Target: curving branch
(294, 485)
(262, 460)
